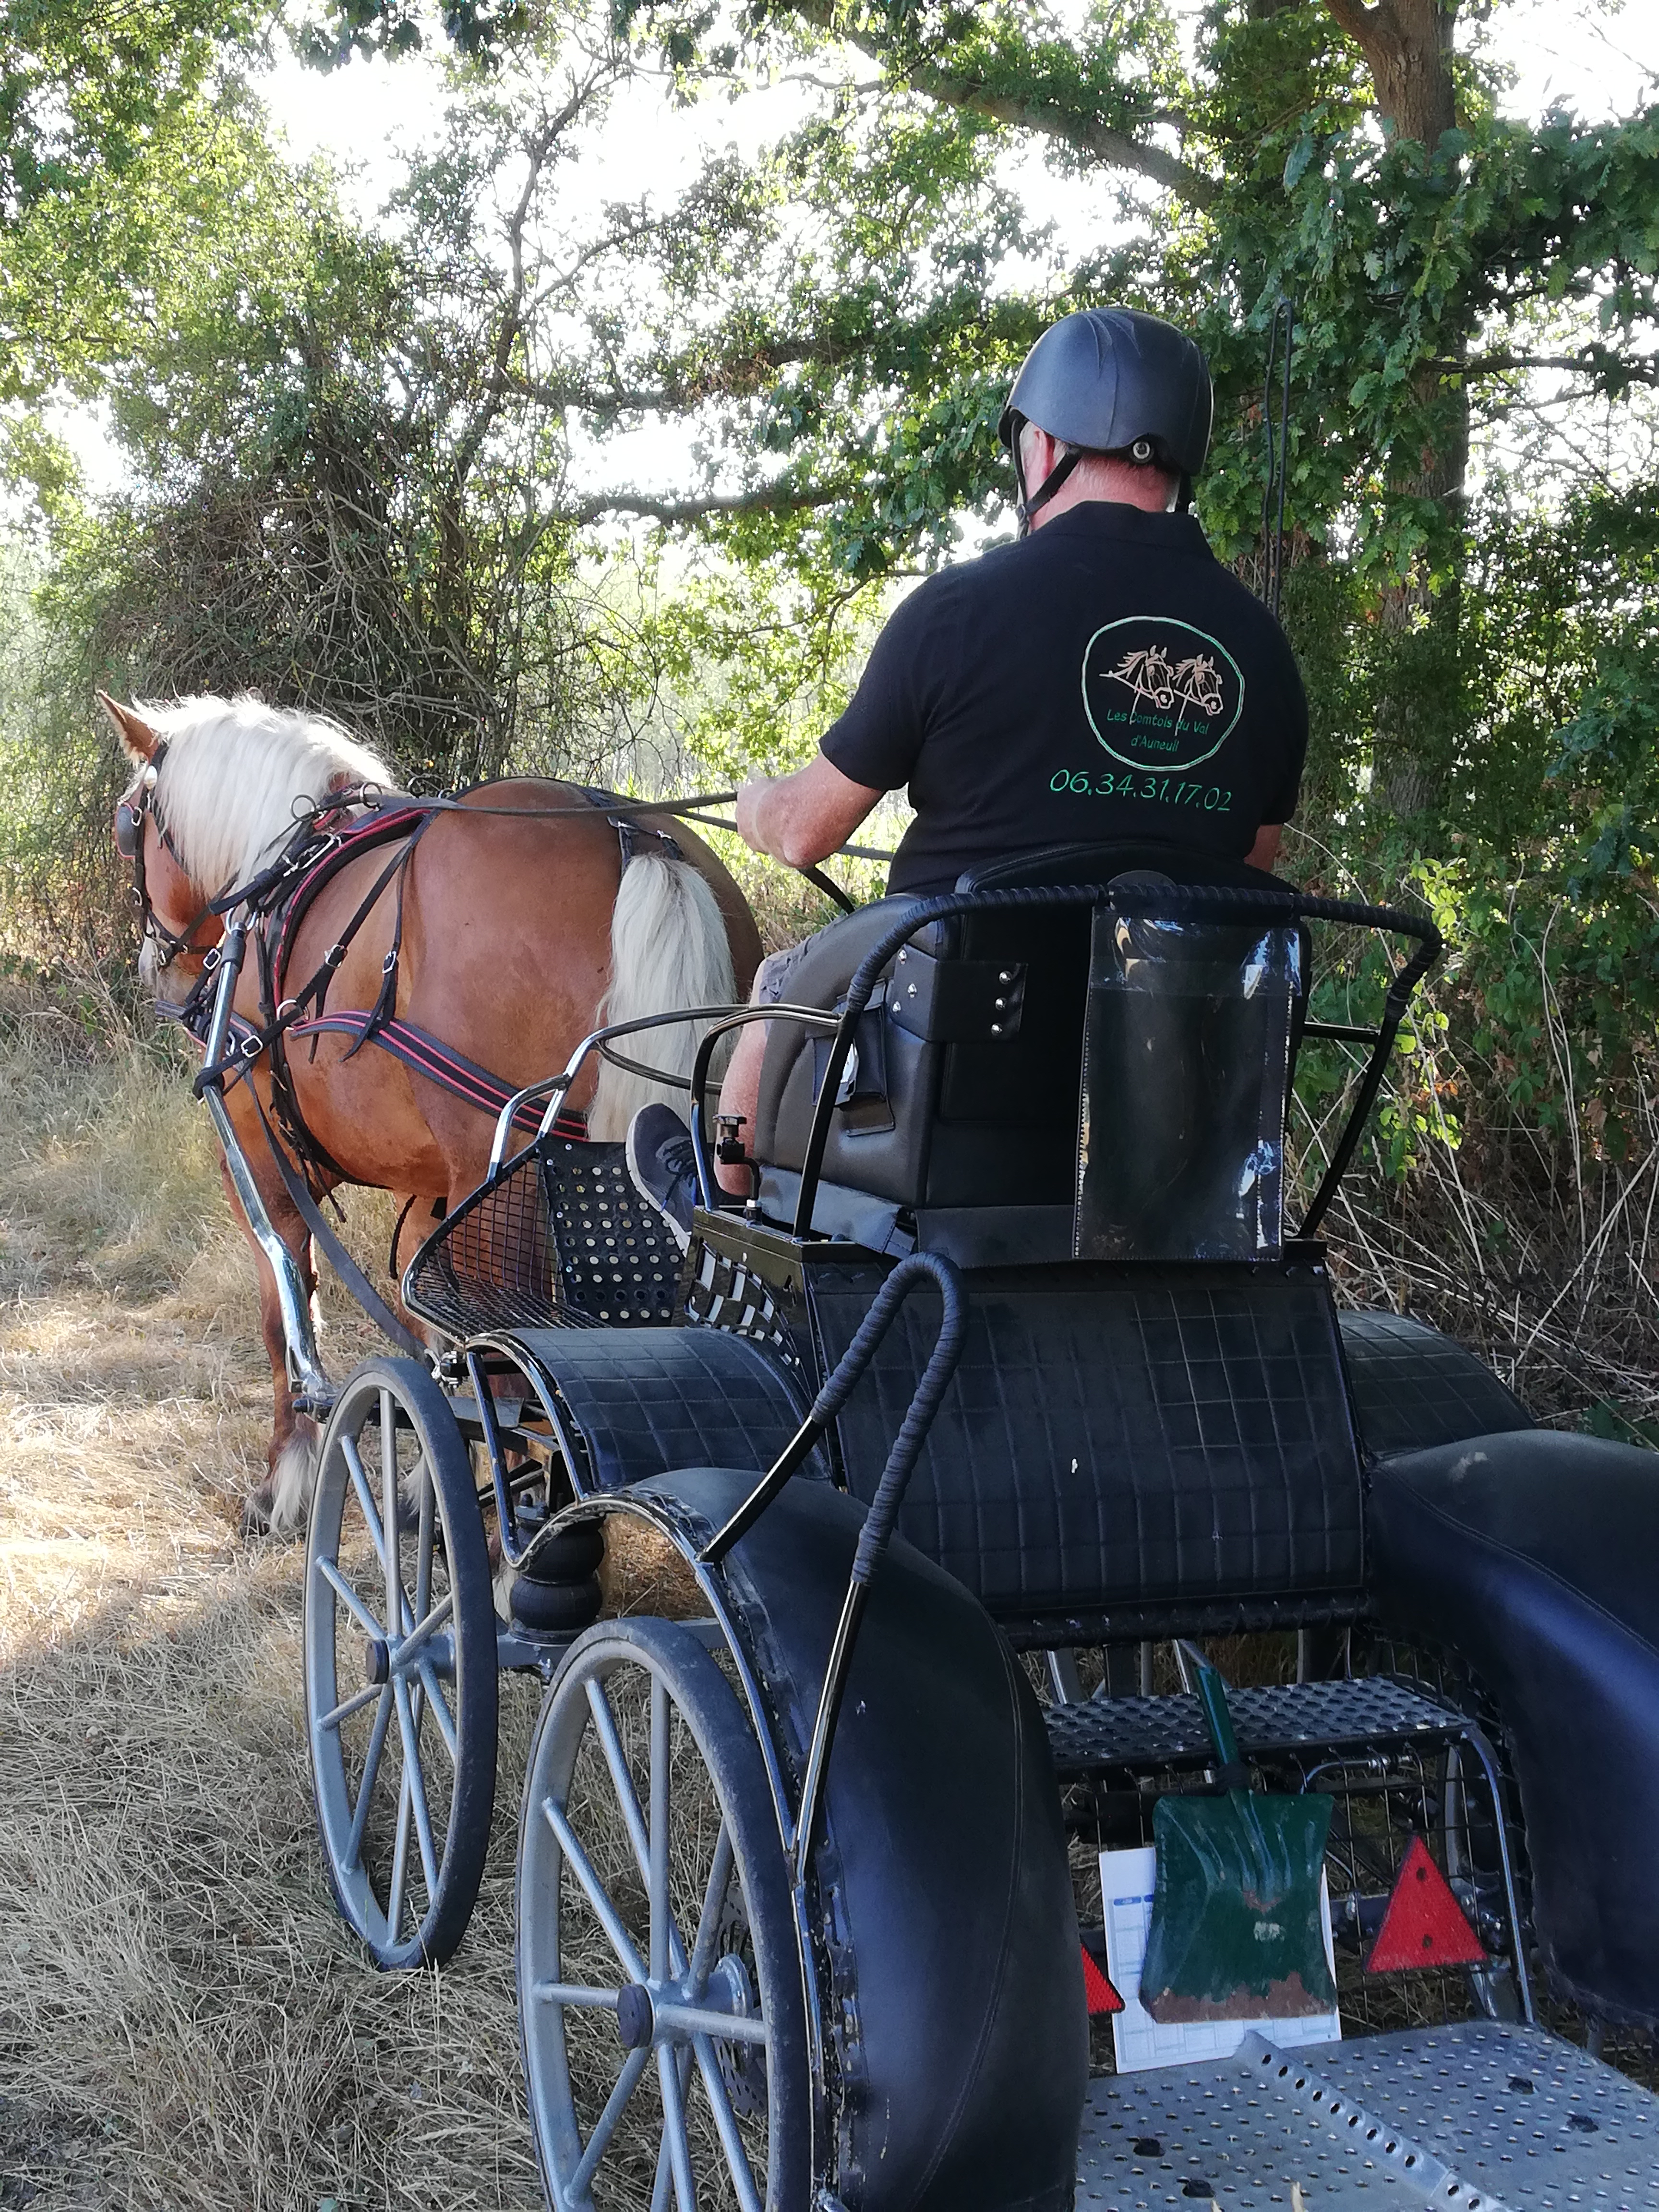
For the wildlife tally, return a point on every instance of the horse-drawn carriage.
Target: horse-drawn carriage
(1006, 1383)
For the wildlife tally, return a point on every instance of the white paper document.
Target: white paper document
(1127, 1879)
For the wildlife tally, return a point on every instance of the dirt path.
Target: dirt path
(184, 2020)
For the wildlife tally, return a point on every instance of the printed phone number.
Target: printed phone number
(1212, 798)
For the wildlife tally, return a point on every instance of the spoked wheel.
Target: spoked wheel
(400, 1666)
(660, 2009)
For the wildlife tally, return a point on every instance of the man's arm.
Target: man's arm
(805, 818)
(1265, 851)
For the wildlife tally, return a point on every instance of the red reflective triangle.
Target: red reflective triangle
(1424, 1924)
(1102, 1996)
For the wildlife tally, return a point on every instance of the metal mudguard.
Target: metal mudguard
(1532, 1555)
(940, 1910)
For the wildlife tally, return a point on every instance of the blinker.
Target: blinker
(129, 828)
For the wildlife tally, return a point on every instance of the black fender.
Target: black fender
(939, 1909)
(1532, 1555)
(1412, 1386)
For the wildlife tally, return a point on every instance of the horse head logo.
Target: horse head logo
(1149, 674)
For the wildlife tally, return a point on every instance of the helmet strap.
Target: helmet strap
(1030, 503)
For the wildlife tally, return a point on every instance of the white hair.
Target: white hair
(238, 771)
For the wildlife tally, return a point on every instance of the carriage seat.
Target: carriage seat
(958, 1128)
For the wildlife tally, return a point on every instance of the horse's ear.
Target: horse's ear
(138, 740)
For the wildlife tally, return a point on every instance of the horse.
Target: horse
(509, 934)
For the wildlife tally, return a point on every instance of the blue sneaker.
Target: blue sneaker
(663, 1166)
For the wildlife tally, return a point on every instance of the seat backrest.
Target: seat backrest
(966, 1094)
(1121, 1451)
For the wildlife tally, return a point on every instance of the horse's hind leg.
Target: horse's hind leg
(281, 1501)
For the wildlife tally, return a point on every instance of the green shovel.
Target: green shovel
(1237, 1932)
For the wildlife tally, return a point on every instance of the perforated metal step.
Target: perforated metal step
(1140, 1732)
(1477, 2118)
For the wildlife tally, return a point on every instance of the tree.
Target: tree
(1436, 262)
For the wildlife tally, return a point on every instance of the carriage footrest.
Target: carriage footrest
(1475, 2118)
(558, 1236)
(1099, 1734)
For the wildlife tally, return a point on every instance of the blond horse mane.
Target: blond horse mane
(236, 772)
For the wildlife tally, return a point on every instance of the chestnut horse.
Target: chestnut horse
(520, 933)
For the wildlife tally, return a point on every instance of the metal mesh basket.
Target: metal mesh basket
(558, 1236)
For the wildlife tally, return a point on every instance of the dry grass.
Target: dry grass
(184, 2020)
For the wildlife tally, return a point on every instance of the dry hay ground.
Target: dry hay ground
(184, 2020)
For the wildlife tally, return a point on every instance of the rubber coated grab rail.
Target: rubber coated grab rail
(882, 1513)
(1217, 901)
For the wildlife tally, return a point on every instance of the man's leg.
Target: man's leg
(740, 1095)
(658, 1149)
(740, 1088)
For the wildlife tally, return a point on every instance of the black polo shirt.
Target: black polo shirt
(1105, 679)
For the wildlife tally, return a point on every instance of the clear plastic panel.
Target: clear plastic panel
(1180, 1135)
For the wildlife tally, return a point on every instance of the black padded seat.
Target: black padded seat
(944, 1118)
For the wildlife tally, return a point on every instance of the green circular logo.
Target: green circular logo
(1160, 693)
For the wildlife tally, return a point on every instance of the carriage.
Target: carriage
(1007, 1384)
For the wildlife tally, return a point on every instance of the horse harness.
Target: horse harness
(130, 843)
(276, 901)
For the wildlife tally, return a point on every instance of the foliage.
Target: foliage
(373, 469)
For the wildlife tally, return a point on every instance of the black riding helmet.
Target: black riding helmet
(1111, 380)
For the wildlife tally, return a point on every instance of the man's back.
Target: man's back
(1105, 679)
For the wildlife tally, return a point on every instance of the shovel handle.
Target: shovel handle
(1213, 1696)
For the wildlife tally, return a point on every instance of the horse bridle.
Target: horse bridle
(139, 802)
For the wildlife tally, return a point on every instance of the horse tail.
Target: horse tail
(668, 949)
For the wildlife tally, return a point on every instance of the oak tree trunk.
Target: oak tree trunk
(1407, 48)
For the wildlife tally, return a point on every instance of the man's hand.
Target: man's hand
(805, 818)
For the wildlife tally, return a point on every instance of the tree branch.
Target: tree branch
(1374, 29)
(1356, 18)
(1113, 148)
(779, 499)
(1639, 371)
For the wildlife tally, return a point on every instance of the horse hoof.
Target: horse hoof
(255, 1515)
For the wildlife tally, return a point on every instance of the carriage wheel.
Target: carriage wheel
(660, 2011)
(400, 1666)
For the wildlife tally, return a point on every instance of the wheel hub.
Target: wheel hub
(635, 2021)
(377, 1661)
(732, 1985)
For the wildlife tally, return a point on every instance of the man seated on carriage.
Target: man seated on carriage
(1103, 678)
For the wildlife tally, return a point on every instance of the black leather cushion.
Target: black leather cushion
(644, 1401)
(1413, 1387)
(1118, 1437)
(987, 1121)
(1532, 1555)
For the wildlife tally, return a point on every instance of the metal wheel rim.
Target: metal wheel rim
(415, 1716)
(677, 1967)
